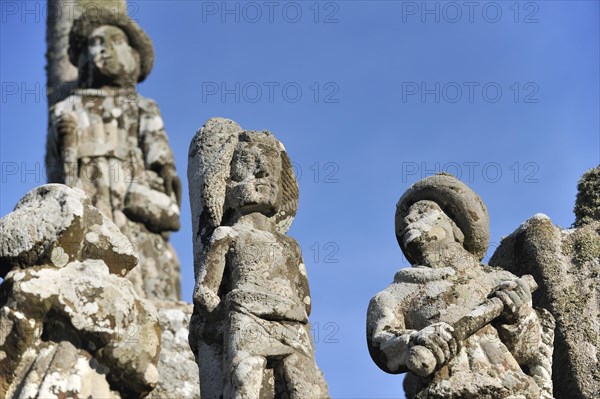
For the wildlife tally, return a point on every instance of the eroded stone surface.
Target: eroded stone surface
(109, 141)
(54, 225)
(566, 264)
(61, 370)
(250, 330)
(458, 328)
(178, 371)
(84, 304)
(76, 328)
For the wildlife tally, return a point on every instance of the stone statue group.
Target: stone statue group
(457, 327)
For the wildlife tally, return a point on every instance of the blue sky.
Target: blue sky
(368, 97)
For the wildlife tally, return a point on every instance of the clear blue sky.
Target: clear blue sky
(361, 122)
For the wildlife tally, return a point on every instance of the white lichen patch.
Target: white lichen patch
(92, 237)
(19, 315)
(90, 308)
(302, 269)
(18, 276)
(151, 374)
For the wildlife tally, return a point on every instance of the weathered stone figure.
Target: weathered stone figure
(250, 329)
(459, 328)
(109, 141)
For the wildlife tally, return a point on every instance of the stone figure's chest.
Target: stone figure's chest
(262, 254)
(447, 300)
(107, 121)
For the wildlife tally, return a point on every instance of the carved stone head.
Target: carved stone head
(427, 229)
(233, 172)
(255, 175)
(109, 50)
(441, 209)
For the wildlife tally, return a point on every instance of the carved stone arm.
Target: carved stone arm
(387, 337)
(154, 143)
(153, 138)
(303, 287)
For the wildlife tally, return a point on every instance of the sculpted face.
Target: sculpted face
(110, 58)
(428, 230)
(255, 175)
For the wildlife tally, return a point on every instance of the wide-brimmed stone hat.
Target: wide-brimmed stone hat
(458, 201)
(138, 39)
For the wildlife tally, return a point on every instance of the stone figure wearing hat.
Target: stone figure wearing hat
(436, 321)
(249, 331)
(109, 141)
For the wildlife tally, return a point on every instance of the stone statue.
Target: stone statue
(109, 141)
(71, 325)
(458, 328)
(566, 264)
(250, 329)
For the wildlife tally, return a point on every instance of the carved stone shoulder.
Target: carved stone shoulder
(147, 105)
(69, 104)
(222, 233)
(422, 274)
